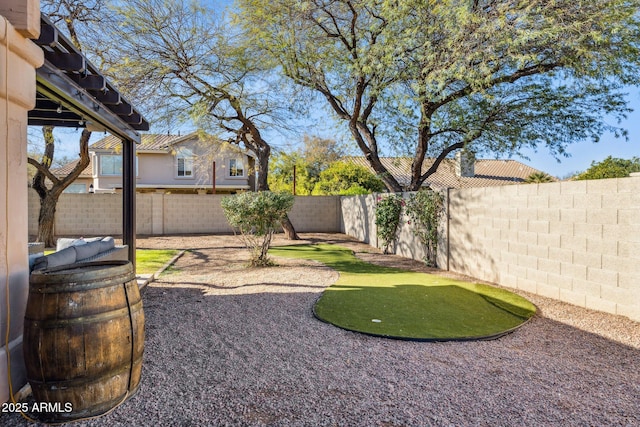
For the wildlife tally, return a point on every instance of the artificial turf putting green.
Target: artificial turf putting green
(396, 303)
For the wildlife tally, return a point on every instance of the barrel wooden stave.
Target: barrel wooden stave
(84, 337)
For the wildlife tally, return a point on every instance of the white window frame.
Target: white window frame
(102, 159)
(232, 166)
(188, 164)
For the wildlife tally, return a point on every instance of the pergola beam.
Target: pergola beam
(71, 92)
(56, 86)
(90, 82)
(67, 61)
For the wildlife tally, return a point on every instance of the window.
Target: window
(185, 164)
(236, 168)
(76, 188)
(110, 165)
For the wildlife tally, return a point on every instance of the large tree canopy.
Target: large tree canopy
(306, 163)
(181, 60)
(433, 77)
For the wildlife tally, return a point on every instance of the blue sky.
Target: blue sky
(584, 152)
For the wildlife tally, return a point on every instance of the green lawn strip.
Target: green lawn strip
(149, 261)
(403, 304)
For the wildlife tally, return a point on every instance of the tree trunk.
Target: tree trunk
(263, 152)
(263, 168)
(369, 148)
(46, 220)
(49, 196)
(289, 231)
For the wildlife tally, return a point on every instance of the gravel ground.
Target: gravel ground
(226, 345)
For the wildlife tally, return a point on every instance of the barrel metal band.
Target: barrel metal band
(83, 285)
(82, 381)
(113, 314)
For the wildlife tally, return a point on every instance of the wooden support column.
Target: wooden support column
(129, 198)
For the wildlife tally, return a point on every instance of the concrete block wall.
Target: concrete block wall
(189, 214)
(157, 214)
(144, 213)
(90, 214)
(358, 218)
(577, 242)
(80, 214)
(316, 214)
(32, 212)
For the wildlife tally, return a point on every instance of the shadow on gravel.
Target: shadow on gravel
(257, 359)
(262, 359)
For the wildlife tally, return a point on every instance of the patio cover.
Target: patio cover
(71, 92)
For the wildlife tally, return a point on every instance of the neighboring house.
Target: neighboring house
(460, 172)
(171, 163)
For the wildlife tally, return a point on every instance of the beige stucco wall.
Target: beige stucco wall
(160, 169)
(18, 59)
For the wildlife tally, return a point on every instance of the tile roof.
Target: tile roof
(149, 142)
(66, 170)
(488, 172)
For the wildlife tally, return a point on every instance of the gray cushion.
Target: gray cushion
(65, 242)
(71, 250)
(92, 239)
(87, 250)
(107, 243)
(56, 259)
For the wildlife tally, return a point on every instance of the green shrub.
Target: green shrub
(347, 179)
(611, 167)
(388, 210)
(538, 178)
(255, 217)
(425, 208)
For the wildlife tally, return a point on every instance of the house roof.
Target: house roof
(148, 142)
(488, 172)
(66, 170)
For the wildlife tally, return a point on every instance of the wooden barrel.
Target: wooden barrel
(83, 338)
